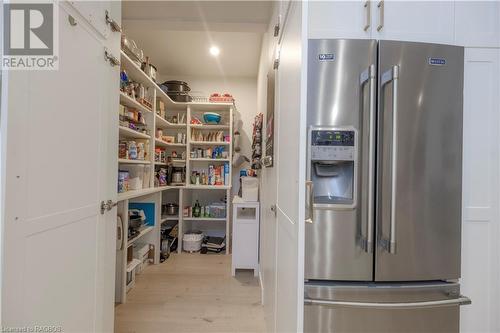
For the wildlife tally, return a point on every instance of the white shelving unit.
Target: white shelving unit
(158, 195)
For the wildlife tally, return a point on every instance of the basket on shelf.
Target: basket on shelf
(221, 98)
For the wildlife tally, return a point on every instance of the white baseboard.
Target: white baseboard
(261, 287)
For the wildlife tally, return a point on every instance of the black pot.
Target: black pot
(176, 86)
(179, 97)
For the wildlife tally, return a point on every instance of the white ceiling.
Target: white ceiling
(177, 35)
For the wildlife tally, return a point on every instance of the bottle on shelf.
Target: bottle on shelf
(197, 209)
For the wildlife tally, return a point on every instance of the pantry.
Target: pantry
(182, 146)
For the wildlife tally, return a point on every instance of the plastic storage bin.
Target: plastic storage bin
(191, 241)
(250, 189)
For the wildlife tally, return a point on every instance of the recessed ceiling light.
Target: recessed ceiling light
(214, 50)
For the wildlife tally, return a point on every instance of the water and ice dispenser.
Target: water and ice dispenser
(332, 166)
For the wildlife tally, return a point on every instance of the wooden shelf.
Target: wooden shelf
(143, 232)
(133, 134)
(209, 143)
(204, 219)
(127, 161)
(168, 144)
(163, 123)
(132, 103)
(208, 126)
(209, 159)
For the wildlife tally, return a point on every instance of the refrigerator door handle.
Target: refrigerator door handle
(461, 300)
(369, 75)
(392, 75)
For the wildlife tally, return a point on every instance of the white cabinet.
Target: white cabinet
(477, 23)
(481, 194)
(417, 21)
(246, 216)
(339, 19)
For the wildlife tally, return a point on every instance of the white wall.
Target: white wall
(244, 90)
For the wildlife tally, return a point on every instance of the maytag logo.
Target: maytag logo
(326, 57)
(437, 61)
(30, 36)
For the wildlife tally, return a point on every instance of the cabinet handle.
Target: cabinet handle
(113, 61)
(368, 6)
(309, 186)
(112, 23)
(381, 15)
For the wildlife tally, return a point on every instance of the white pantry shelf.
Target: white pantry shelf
(204, 219)
(210, 143)
(213, 107)
(135, 72)
(137, 193)
(209, 159)
(143, 232)
(169, 218)
(132, 103)
(127, 161)
(168, 144)
(138, 75)
(208, 187)
(126, 132)
(208, 126)
(163, 123)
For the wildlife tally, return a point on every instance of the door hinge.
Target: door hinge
(276, 30)
(113, 61)
(276, 64)
(274, 210)
(112, 23)
(107, 205)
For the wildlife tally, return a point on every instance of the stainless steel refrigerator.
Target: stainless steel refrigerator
(384, 166)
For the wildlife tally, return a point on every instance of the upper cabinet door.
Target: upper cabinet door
(98, 15)
(416, 21)
(477, 24)
(340, 19)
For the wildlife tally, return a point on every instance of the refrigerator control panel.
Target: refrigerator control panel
(333, 145)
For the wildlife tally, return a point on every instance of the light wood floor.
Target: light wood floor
(192, 293)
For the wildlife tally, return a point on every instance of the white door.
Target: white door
(340, 19)
(414, 21)
(477, 23)
(290, 165)
(268, 223)
(481, 192)
(59, 162)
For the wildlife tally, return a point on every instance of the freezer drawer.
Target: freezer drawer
(387, 308)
